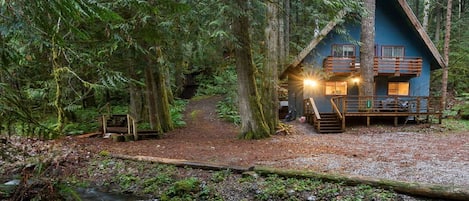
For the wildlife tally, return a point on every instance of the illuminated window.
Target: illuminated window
(343, 50)
(336, 88)
(398, 88)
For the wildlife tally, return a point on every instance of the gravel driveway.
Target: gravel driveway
(416, 153)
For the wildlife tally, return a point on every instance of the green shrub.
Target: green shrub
(177, 112)
(227, 110)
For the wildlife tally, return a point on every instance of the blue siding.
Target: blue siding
(393, 29)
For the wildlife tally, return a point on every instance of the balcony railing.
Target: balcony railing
(392, 66)
(389, 104)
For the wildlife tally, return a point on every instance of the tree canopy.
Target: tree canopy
(60, 57)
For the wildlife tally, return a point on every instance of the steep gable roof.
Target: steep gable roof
(301, 56)
(404, 8)
(423, 34)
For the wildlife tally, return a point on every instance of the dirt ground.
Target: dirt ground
(420, 153)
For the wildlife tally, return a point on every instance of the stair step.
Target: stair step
(329, 123)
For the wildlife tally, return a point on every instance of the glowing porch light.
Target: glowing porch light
(355, 80)
(311, 83)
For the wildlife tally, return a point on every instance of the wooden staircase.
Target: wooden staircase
(333, 122)
(329, 123)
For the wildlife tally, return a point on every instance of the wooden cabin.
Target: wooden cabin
(404, 59)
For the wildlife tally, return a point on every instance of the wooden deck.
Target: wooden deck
(417, 108)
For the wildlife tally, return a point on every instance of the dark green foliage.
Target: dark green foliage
(308, 15)
(461, 107)
(177, 112)
(274, 187)
(228, 110)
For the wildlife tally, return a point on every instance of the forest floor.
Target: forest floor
(428, 153)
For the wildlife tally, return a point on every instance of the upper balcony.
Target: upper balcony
(382, 66)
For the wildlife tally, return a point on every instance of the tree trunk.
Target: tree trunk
(151, 98)
(417, 8)
(270, 72)
(284, 34)
(444, 79)
(367, 49)
(438, 15)
(135, 91)
(426, 13)
(253, 125)
(163, 98)
(58, 102)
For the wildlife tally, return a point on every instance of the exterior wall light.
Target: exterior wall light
(355, 80)
(311, 83)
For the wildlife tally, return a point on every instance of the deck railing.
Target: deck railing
(394, 66)
(397, 65)
(393, 105)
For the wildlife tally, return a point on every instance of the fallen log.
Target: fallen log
(447, 192)
(185, 163)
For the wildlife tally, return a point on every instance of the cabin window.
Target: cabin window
(393, 51)
(336, 88)
(343, 50)
(398, 88)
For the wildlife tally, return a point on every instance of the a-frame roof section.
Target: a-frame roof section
(422, 33)
(410, 16)
(299, 58)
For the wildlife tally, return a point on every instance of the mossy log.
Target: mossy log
(447, 192)
(184, 163)
(118, 138)
(129, 138)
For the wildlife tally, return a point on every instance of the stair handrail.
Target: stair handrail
(335, 109)
(315, 108)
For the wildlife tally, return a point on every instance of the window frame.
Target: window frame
(334, 46)
(398, 89)
(393, 50)
(345, 92)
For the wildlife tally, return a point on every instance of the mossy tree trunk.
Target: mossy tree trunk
(151, 98)
(163, 99)
(58, 100)
(253, 124)
(136, 109)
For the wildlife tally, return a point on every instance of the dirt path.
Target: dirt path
(418, 153)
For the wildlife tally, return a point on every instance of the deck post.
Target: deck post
(344, 109)
(418, 109)
(134, 125)
(103, 118)
(396, 119)
(128, 124)
(367, 121)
